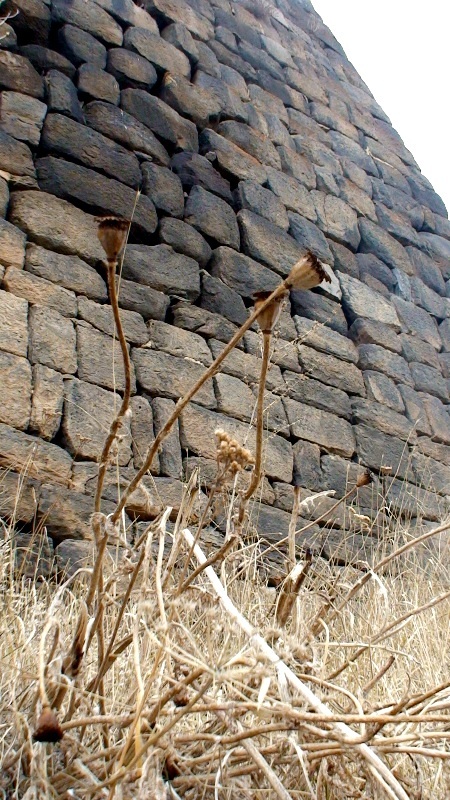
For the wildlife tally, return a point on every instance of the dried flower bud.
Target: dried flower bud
(48, 728)
(269, 317)
(112, 233)
(307, 273)
(364, 479)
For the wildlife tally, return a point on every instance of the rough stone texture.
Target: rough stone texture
(319, 309)
(160, 118)
(331, 433)
(178, 342)
(378, 450)
(40, 291)
(52, 340)
(374, 357)
(17, 74)
(22, 116)
(382, 389)
(80, 47)
(100, 360)
(67, 271)
(62, 95)
(15, 396)
(185, 239)
(93, 20)
(164, 189)
(241, 273)
(359, 300)
(142, 432)
(47, 401)
(328, 369)
(365, 331)
(124, 128)
(88, 413)
(170, 459)
(56, 224)
(320, 337)
(253, 197)
(162, 269)
(212, 217)
(264, 241)
(165, 375)
(417, 322)
(95, 83)
(317, 394)
(383, 418)
(19, 496)
(21, 452)
(13, 324)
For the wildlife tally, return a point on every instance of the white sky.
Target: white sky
(401, 50)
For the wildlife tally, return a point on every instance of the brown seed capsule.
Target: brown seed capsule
(364, 479)
(48, 728)
(112, 233)
(268, 318)
(307, 273)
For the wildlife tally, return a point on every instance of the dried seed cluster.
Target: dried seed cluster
(230, 454)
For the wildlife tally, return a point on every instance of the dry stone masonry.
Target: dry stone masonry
(236, 135)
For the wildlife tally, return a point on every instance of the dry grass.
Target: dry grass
(146, 675)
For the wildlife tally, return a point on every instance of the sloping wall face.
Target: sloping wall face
(251, 138)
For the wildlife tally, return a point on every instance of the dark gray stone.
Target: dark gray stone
(67, 516)
(444, 331)
(19, 75)
(359, 300)
(371, 265)
(15, 400)
(418, 322)
(438, 248)
(241, 273)
(396, 225)
(101, 317)
(377, 241)
(92, 19)
(337, 219)
(68, 271)
(19, 497)
(221, 299)
(142, 433)
(415, 349)
(356, 198)
(80, 47)
(15, 157)
(261, 201)
(199, 104)
(310, 237)
(266, 242)
(307, 85)
(160, 118)
(313, 393)
(96, 84)
(40, 459)
(33, 21)
(212, 216)
(234, 397)
(383, 390)
(125, 129)
(322, 338)
(374, 357)
(427, 298)
(331, 370)
(234, 80)
(163, 55)
(430, 380)
(100, 360)
(424, 193)
(100, 195)
(247, 367)
(128, 13)
(409, 501)
(179, 36)
(164, 188)
(52, 340)
(307, 471)
(164, 375)
(330, 432)
(13, 324)
(383, 418)
(297, 166)
(230, 158)
(344, 259)
(196, 170)
(178, 342)
(170, 459)
(292, 193)
(206, 323)
(207, 60)
(427, 270)
(230, 104)
(377, 450)
(430, 473)
(438, 418)
(62, 96)
(198, 22)
(130, 69)
(65, 137)
(415, 410)
(348, 148)
(144, 300)
(39, 291)
(399, 202)
(185, 239)
(162, 269)
(44, 59)
(320, 309)
(252, 142)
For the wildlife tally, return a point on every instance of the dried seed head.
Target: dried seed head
(112, 233)
(307, 273)
(48, 728)
(230, 454)
(364, 479)
(269, 317)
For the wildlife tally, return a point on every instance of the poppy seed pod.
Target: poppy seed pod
(268, 318)
(364, 479)
(307, 273)
(112, 233)
(48, 728)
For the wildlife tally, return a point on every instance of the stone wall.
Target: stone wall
(251, 138)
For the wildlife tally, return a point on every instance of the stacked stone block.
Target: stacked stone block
(234, 141)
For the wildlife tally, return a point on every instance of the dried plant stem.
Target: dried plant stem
(257, 470)
(182, 403)
(118, 420)
(346, 735)
(292, 527)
